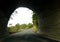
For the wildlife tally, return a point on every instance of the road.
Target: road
(25, 36)
(25, 32)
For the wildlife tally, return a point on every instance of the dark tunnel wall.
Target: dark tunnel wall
(3, 25)
(48, 12)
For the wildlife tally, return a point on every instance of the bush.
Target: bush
(18, 27)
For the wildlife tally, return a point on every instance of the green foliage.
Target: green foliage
(35, 19)
(21, 27)
(12, 29)
(18, 27)
(30, 25)
(35, 23)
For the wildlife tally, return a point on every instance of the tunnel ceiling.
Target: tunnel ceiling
(8, 6)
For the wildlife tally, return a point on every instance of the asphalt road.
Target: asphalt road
(25, 32)
(26, 36)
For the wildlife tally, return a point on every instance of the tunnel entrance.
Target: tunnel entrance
(22, 19)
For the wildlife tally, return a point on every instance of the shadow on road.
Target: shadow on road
(27, 36)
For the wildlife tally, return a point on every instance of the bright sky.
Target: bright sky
(21, 15)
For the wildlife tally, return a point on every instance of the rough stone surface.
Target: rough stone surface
(48, 12)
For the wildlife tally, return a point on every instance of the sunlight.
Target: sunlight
(21, 15)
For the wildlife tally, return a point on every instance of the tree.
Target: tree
(30, 25)
(12, 29)
(35, 23)
(17, 26)
(35, 20)
(23, 26)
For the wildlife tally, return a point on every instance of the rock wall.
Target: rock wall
(48, 15)
(3, 25)
(49, 23)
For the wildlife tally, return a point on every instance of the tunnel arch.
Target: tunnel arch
(9, 6)
(15, 12)
(33, 15)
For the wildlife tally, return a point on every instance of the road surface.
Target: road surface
(26, 36)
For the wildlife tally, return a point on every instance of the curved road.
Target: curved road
(26, 36)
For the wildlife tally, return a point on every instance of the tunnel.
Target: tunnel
(47, 11)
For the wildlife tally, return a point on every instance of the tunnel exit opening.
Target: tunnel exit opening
(22, 19)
